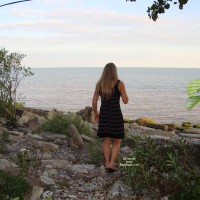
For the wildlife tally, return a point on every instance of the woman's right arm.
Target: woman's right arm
(94, 105)
(122, 90)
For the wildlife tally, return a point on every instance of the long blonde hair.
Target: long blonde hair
(104, 85)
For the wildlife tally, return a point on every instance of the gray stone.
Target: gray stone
(35, 136)
(36, 193)
(46, 180)
(51, 114)
(46, 156)
(192, 131)
(52, 172)
(120, 190)
(9, 167)
(48, 136)
(75, 139)
(17, 133)
(43, 146)
(59, 164)
(10, 148)
(3, 121)
(190, 135)
(82, 168)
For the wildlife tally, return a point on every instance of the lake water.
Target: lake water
(157, 93)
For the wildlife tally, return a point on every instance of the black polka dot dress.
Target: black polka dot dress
(110, 117)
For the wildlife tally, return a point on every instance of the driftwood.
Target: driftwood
(155, 126)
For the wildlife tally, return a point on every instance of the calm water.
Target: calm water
(155, 93)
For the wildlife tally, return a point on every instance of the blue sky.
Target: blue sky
(89, 33)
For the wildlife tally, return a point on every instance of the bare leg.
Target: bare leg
(106, 150)
(115, 151)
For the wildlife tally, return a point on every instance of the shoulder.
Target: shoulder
(120, 85)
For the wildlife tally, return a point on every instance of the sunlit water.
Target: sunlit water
(154, 93)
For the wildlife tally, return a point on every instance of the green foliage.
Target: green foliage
(95, 151)
(60, 123)
(168, 170)
(4, 138)
(160, 6)
(11, 74)
(12, 186)
(26, 161)
(193, 92)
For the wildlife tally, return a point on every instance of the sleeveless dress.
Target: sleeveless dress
(110, 118)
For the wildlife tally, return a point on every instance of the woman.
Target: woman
(110, 119)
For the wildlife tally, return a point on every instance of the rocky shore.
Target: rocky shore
(66, 166)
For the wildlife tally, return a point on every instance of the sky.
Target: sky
(91, 33)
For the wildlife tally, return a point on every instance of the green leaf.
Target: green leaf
(193, 87)
(192, 101)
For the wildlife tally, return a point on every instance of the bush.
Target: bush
(12, 186)
(164, 171)
(60, 123)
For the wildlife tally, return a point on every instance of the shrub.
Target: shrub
(164, 171)
(12, 186)
(60, 123)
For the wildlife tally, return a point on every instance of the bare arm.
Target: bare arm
(122, 90)
(94, 105)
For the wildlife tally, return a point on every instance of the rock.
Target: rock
(87, 138)
(35, 123)
(43, 146)
(10, 148)
(120, 191)
(196, 126)
(144, 120)
(58, 164)
(81, 168)
(189, 135)
(75, 139)
(3, 121)
(187, 124)
(47, 195)
(14, 139)
(35, 136)
(17, 133)
(36, 193)
(87, 114)
(26, 116)
(8, 167)
(52, 172)
(61, 142)
(25, 130)
(48, 136)
(20, 111)
(53, 113)
(191, 130)
(46, 156)
(46, 180)
(145, 131)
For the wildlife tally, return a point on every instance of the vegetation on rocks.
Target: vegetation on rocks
(12, 72)
(163, 171)
(60, 124)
